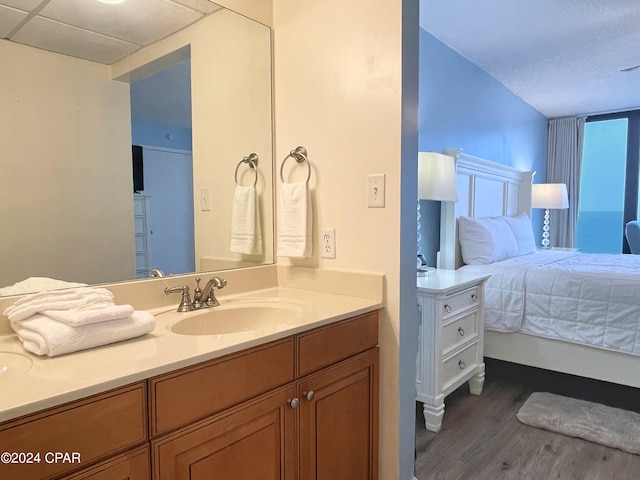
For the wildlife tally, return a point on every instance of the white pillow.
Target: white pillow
(485, 240)
(523, 233)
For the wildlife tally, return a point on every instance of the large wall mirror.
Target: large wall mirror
(77, 75)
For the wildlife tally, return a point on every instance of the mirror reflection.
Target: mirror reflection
(67, 128)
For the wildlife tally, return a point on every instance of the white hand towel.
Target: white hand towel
(44, 336)
(246, 234)
(294, 221)
(71, 301)
(36, 284)
(89, 314)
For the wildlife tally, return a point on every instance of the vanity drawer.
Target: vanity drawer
(458, 366)
(330, 344)
(88, 430)
(459, 301)
(459, 331)
(193, 393)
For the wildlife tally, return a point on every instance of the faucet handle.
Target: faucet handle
(185, 301)
(197, 294)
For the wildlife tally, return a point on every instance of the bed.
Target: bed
(558, 310)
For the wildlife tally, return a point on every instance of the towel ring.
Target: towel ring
(299, 155)
(252, 161)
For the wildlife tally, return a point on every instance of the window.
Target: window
(609, 182)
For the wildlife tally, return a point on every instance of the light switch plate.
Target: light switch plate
(375, 190)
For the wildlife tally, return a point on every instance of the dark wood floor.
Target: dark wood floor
(481, 439)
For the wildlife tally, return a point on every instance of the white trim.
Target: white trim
(164, 149)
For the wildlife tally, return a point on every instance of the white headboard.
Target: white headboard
(485, 189)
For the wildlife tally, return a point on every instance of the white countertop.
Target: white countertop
(54, 381)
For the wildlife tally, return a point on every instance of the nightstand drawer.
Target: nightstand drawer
(459, 365)
(459, 331)
(459, 301)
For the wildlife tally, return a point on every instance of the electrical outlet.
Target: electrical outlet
(205, 200)
(375, 190)
(328, 243)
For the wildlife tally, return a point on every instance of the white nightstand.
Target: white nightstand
(451, 338)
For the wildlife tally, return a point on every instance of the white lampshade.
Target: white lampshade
(549, 195)
(437, 177)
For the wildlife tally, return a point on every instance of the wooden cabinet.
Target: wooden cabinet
(304, 407)
(253, 442)
(451, 337)
(128, 466)
(339, 421)
(321, 425)
(87, 430)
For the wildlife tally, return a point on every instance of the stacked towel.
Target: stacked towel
(36, 284)
(246, 234)
(294, 221)
(65, 321)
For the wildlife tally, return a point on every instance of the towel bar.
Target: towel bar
(252, 161)
(299, 155)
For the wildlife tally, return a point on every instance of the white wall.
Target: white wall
(339, 93)
(66, 187)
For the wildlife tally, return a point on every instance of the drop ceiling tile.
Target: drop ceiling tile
(57, 37)
(9, 19)
(204, 6)
(24, 5)
(140, 21)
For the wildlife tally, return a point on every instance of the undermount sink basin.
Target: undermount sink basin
(13, 365)
(238, 316)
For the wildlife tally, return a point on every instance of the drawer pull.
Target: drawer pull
(447, 308)
(474, 297)
(308, 395)
(294, 402)
(461, 331)
(461, 364)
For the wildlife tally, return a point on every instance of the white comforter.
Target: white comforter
(591, 299)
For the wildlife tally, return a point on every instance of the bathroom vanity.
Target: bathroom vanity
(299, 402)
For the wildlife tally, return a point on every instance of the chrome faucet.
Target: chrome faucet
(202, 297)
(205, 297)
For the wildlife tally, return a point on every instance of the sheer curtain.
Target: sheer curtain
(564, 156)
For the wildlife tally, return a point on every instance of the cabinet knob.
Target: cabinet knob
(294, 402)
(461, 331)
(309, 395)
(461, 364)
(474, 297)
(447, 308)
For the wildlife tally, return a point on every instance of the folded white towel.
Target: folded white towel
(36, 284)
(294, 221)
(246, 234)
(74, 299)
(44, 336)
(77, 317)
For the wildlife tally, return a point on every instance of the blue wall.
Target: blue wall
(460, 105)
(160, 135)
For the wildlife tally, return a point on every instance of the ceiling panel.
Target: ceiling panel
(97, 31)
(141, 21)
(9, 19)
(60, 38)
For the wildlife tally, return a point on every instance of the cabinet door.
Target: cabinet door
(255, 441)
(339, 421)
(129, 466)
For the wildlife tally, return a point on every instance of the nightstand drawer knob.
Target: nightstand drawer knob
(474, 297)
(447, 308)
(461, 331)
(461, 364)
